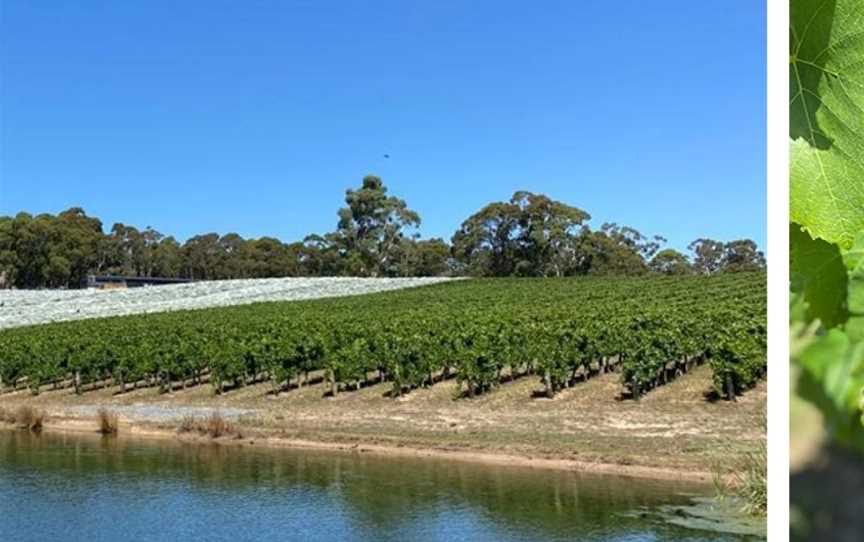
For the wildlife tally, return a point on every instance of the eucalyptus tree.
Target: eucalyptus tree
(742, 255)
(707, 255)
(670, 262)
(372, 227)
(529, 235)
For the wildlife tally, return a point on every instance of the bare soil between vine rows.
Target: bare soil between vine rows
(672, 432)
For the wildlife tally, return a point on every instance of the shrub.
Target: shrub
(217, 426)
(108, 424)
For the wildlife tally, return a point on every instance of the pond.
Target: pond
(81, 487)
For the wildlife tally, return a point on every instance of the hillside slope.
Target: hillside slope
(29, 307)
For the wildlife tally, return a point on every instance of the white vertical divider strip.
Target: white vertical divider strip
(778, 268)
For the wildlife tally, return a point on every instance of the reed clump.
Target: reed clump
(108, 422)
(218, 426)
(748, 481)
(188, 424)
(752, 480)
(27, 417)
(215, 426)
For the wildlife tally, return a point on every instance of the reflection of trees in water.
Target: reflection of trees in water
(372, 491)
(556, 501)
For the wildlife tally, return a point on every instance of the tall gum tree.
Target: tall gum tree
(531, 235)
(371, 227)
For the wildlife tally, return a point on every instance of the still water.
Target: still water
(71, 488)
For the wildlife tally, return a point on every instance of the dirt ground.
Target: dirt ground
(673, 427)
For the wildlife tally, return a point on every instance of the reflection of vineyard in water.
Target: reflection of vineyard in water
(481, 332)
(367, 495)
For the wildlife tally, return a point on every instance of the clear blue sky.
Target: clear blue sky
(255, 117)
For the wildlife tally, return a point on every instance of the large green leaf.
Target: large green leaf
(832, 379)
(817, 271)
(854, 261)
(827, 118)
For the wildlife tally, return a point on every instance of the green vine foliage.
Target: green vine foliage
(827, 209)
(479, 333)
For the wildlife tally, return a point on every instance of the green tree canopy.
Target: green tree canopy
(742, 255)
(530, 235)
(371, 228)
(670, 262)
(707, 255)
(710, 256)
(607, 252)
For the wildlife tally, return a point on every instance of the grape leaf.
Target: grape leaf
(832, 379)
(825, 116)
(817, 270)
(854, 260)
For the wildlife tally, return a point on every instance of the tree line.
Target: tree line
(375, 236)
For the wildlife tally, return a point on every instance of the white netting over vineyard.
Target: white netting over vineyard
(27, 307)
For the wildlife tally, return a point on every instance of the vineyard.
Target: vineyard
(31, 307)
(477, 333)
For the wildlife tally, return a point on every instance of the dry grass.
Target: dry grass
(26, 417)
(189, 424)
(753, 480)
(108, 423)
(672, 426)
(215, 426)
(747, 481)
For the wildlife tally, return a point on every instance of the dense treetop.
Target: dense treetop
(529, 235)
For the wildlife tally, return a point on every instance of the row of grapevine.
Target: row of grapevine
(480, 332)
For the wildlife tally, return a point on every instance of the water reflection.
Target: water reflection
(117, 488)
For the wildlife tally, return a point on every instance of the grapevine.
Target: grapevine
(479, 333)
(827, 211)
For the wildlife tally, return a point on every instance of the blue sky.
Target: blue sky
(255, 117)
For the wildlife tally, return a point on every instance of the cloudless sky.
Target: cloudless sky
(254, 117)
